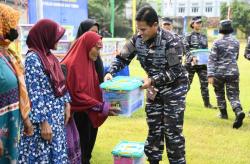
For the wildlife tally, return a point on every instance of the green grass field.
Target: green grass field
(209, 140)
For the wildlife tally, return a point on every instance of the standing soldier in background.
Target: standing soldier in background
(167, 24)
(159, 53)
(197, 40)
(247, 55)
(223, 72)
(247, 50)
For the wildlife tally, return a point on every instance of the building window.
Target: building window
(181, 9)
(209, 9)
(195, 9)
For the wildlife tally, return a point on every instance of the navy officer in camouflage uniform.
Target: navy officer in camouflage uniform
(223, 72)
(159, 53)
(247, 50)
(247, 55)
(167, 23)
(197, 40)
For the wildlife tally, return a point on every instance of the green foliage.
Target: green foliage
(100, 10)
(240, 15)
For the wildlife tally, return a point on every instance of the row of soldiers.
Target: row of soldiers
(221, 70)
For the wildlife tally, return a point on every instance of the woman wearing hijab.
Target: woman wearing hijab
(83, 84)
(91, 25)
(72, 135)
(49, 97)
(14, 101)
(81, 118)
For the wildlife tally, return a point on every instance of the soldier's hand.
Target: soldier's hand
(194, 61)
(210, 80)
(108, 76)
(146, 83)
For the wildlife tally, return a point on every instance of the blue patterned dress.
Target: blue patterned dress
(45, 106)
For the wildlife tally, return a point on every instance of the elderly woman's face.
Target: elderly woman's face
(94, 53)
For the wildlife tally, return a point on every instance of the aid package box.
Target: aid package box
(201, 55)
(123, 93)
(128, 152)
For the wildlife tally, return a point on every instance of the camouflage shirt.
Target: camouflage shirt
(160, 57)
(247, 50)
(193, 41)
(223, 58)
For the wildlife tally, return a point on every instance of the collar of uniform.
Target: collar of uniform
(226, 36)
(194, 32)
(157, 38)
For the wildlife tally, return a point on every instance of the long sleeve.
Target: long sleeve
(211, 67)
(35, 79)
(247, 49)
(124, 58)
(80, 99)
(188, 54)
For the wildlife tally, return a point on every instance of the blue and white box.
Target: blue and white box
(124, 93)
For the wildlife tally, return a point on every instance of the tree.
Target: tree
(240, 13)
(100, 10)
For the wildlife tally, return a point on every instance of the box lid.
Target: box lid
(200, 52)
(125, 83)
(129, 149)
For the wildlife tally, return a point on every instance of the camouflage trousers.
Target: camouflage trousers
(201, 71)
(231, 83)
(165, 122)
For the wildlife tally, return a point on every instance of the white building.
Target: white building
(190, 8)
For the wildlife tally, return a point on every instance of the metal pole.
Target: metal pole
(112, 21)
(133, 16)
(228, 9)
(39, 6)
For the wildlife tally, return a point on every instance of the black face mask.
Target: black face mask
(12, 35)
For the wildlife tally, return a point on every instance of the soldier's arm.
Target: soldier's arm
(187, 52)
(238, 50)
(247, 50)
(124, 58)
(173, 69)
(212, 61)
(206, 43)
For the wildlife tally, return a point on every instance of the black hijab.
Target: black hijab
(84, 27)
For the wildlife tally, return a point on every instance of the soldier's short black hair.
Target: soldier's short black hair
(147, 14)
(195, 20)
(225, 27)
(167, 20)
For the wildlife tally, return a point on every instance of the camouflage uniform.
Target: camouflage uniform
(222, 66)
(161, 57)
(247, 50)
(194, 41)
(247, 56)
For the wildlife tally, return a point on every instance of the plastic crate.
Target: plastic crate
(124, 93)
(128, 152)
(201, 55)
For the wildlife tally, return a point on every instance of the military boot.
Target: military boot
(240, 115)
(223, 113)
(208, 105)
(153, 162)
